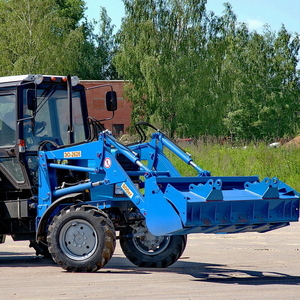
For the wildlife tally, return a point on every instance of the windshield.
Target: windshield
(51, 119)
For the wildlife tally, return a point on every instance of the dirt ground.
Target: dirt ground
(241, 266)
(293, 143)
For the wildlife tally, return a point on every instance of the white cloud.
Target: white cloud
(255, 24)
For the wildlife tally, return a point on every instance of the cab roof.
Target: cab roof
(18, 78)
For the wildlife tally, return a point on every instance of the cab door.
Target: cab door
(12, 172)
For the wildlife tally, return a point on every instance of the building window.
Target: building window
(118, 129)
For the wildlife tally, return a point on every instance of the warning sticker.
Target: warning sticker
(127, 190)
(107, 163)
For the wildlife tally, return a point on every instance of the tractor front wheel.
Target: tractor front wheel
(144, 249)
(81, 238)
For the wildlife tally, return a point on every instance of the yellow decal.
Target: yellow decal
(127, 190)
(72, 154)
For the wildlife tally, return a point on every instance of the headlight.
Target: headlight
(74, 80)
(38, 79)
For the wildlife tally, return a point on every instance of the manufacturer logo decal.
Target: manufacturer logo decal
(72, 154)
(127, 190)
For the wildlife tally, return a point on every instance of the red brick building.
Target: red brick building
(97, 108)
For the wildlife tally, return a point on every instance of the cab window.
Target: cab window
(7, 120)
(50, 120)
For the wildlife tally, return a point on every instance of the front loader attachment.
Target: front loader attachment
(210, 204)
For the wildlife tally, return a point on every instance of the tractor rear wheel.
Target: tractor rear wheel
(81, 238)
(144, 249)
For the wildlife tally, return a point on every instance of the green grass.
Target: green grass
(224, 160)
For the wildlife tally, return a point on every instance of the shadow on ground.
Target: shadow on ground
(201, 272)
(18, 260)
(207, 272)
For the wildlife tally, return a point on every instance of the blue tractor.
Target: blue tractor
(68, 185)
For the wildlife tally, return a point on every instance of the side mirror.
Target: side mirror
(31, 100)
(111, 101)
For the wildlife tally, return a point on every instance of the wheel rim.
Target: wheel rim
(150, 244)
(78, 239)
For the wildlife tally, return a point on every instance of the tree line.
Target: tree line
(190, 72)
(55, 37)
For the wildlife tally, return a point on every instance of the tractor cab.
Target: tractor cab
(38, 113)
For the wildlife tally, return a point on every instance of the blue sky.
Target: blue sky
(255, 13)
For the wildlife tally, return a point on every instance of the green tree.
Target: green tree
(73, 10)
(98, 49)
(36, 38)
(54, 37)
(173, 51)
(265, 99)
(156, 54)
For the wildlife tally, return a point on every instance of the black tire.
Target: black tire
(146, 250)
(81, 238)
